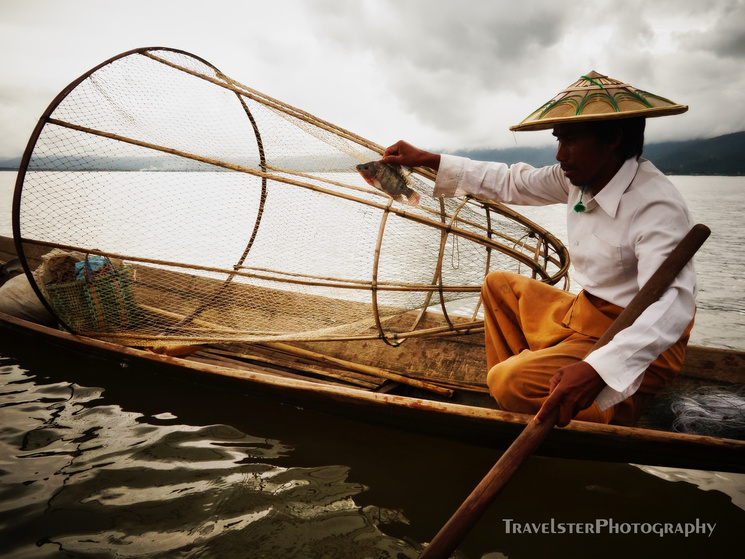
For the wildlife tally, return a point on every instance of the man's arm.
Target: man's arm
(403, 153)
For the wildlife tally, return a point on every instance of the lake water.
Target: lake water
(96, 461)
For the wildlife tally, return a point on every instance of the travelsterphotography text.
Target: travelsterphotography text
(609, 526)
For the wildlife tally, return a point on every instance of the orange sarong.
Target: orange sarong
(534, 329)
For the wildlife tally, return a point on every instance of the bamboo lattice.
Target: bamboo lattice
(170, 204)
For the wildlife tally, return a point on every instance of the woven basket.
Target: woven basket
(103, 303)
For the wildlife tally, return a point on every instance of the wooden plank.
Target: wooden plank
(710, 363)
(457, 359)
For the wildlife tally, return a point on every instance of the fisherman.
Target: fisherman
(624, 217)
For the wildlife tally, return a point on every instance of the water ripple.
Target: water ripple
(102, 481)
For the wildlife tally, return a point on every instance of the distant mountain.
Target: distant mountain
(9, 164)
(173, 163)
(723, 155)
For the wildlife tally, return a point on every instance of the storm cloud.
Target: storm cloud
(442, 74)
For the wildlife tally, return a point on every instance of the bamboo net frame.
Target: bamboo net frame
(222, 214)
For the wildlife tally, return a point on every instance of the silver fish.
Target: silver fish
(389, 178)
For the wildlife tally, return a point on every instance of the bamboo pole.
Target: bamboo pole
(349, 377)
(360, 368)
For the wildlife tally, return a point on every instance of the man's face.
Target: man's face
(584, 158)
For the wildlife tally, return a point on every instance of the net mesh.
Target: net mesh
(215, 213)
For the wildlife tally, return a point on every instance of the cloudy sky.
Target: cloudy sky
(442, 74)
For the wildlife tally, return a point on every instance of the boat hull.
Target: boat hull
(475, 425)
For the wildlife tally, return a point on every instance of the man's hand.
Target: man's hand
(407, 155)
(572, 389)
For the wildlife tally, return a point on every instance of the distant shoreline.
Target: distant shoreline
(719, 156)
(668, 173)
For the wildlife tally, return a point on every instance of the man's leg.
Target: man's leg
(521, 313)
(520, 383)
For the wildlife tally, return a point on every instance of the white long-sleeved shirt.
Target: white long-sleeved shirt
(616, 245)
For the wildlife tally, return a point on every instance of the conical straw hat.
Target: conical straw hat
(598, 97)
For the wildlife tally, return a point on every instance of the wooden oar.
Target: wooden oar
(453, 532)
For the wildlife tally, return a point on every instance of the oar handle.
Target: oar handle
(453, 532)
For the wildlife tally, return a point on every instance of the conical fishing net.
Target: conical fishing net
(159, 202)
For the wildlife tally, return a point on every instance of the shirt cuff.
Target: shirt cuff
(614, 393)
(449, 176)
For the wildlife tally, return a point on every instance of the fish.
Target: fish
(389, 178)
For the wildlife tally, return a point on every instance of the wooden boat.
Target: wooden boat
(433, 386)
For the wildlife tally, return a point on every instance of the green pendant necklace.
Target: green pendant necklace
(579, 207)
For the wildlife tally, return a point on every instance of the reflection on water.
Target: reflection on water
(85, 476)
(732, 485)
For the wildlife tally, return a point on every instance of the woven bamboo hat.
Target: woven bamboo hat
(598, 97)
